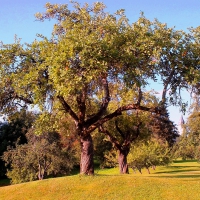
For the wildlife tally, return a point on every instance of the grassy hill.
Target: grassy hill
(181, 180)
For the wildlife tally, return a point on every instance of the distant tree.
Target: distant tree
(148, 154)
(162, 128)
(13, 132)
(131, 131)
(187, 146)
(43, 155)
(192, 126)
(121, 140)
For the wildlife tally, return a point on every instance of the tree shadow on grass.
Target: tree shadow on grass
(186, 172)
(181, 176)
(184, 161)
(179, 169)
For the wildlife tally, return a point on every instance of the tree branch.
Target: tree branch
(168, 72)
(9, 98)
(136, 130)
(119, 112)
(81, 104)
(111, 138)
(68, 108)
(104, 105)
(166, 83)
(26, 100)
(119, 130)
(139, 95)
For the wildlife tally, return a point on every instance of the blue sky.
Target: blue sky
(17, 17)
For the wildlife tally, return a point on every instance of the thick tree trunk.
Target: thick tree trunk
(87, 164)
(123, 165)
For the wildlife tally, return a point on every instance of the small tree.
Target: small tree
(41, 156)
(148, 154)
(184, 148)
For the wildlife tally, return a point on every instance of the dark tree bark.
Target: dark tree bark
(40, 174)
(122, 159)
(86, 163)
(148, 170)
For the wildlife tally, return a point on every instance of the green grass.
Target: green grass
(181, 180)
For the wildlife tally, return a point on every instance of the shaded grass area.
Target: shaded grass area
(4, 182)
(181, 180)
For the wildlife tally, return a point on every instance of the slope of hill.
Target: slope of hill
(178, 181)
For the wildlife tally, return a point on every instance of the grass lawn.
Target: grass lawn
(179, 181)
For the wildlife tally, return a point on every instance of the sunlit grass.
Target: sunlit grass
(181, 180)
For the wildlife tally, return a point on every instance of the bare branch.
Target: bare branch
(25, 100)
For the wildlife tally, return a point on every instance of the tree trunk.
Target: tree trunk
(87, 164)
(148, 170)
(123, 165)
(40, 174)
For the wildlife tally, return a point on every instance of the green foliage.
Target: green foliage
(43, 155)
(148, 154)
(184, 148)
(162, 128)
(87, 42)
(101, 147)
(192, 126)
(187, 146)
(21, 167)
(13, 132)
(110, 159)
